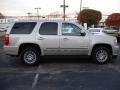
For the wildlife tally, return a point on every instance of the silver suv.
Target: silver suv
(32, 39)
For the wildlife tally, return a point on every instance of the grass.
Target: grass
(2, 37)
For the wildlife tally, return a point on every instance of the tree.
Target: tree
(113, 20)
(1, 16)
(89, 16)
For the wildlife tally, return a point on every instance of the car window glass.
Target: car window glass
(70, 29)
(23, 28)
(49, 28)
(94, 30)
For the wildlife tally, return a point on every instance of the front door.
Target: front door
(71, 40)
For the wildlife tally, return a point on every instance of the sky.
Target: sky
(22, 7)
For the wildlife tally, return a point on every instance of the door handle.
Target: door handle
(65, 39)
(41, 38)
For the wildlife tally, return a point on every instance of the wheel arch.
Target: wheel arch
(103, 45)
(25, 45)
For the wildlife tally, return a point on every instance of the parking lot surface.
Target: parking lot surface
(58, 74)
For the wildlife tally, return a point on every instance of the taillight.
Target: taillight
(7, 39)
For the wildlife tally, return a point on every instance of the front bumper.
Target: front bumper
(116, 50)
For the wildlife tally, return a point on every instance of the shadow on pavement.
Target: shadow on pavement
(68, 59)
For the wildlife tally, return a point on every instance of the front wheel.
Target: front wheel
(30, 56)
(101, 55)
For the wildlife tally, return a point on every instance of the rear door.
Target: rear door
(48, 38)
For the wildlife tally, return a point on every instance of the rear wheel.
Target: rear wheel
(101, 55)
(30, 56)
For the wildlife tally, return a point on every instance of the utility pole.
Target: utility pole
(38, 12)
(80, 5)
(64, 6)
(80, 9)
(29, 14)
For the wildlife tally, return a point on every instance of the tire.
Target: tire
(30, 56)
(101, 55)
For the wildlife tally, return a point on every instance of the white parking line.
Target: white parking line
(36, 77)
(35, 80)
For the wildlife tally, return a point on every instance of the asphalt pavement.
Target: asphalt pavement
(58, 74)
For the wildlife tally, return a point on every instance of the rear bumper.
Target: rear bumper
(11, 50)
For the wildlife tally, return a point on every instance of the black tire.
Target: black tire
(101, 55)
(30, 56)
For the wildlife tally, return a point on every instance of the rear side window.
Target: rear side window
(23, 28)
(48, 28)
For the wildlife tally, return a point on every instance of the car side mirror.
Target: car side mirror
(83, 33)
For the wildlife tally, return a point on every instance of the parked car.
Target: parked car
(3, 29)
(109, 30)
(98, 31)
(32, 39)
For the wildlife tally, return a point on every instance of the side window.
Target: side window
(23, 28)
(70, 29)
(49, 28)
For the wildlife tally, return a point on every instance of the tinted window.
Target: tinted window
(49, 28)
(23, 28)
(70, 29)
